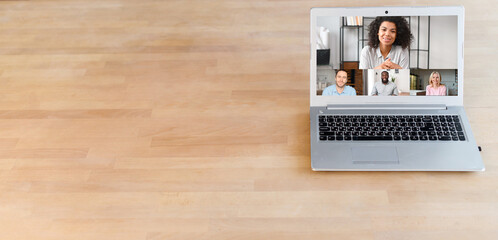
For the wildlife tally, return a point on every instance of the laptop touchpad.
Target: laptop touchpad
(374, 155)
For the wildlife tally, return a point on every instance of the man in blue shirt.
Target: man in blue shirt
(339, 88)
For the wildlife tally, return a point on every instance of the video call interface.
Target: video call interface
(387, 56)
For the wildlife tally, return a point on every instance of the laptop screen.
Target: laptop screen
(386, 56)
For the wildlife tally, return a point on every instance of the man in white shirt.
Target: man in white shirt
(385, 87)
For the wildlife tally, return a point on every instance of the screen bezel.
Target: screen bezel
(316, 100)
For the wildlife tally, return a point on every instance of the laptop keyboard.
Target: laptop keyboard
(390, 128)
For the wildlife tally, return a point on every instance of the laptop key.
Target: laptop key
(427, 129)
(372, 138)
(443, 138)
(322, 138)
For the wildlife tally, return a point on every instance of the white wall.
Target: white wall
(443, 42)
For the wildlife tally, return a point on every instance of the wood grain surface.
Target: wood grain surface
(181, 119)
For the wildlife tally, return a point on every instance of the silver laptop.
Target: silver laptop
(386, 90)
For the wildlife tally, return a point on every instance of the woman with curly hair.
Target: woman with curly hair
(388, 42)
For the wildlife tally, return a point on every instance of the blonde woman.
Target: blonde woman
(435, 88)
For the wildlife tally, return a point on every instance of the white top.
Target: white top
(371, 57)
(381, 89)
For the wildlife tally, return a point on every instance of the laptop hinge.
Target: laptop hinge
(386, 106)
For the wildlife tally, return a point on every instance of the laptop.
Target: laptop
(386, 90)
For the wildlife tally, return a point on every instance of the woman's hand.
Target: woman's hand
(388, 65)
(391, 65)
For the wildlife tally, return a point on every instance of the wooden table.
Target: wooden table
(190, 120)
